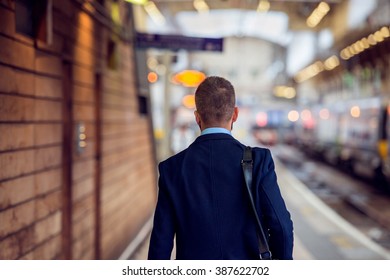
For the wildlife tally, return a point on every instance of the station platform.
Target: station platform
(319, 232)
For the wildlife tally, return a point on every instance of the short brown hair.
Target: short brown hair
(215, 100)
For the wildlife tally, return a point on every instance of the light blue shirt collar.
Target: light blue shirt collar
(211, 130)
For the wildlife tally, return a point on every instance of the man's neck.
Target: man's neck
(212, 130)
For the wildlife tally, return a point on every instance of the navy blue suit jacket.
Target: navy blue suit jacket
(202, 201)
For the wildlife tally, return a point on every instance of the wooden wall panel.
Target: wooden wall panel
(16, 136)
(47, 134)
(8, 21)
(83, 94)
(16, 81)
(46, 251)
(16, 53)
(18, 163)
(48, 204)
(83, 169)
(112, 205)
(18, 244)
(16, 108)
(47, 227)
(47, 181)
(47, 63)
(48, 87)
(13, 192)
(16, 218)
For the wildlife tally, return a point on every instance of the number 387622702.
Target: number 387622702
(242, 270)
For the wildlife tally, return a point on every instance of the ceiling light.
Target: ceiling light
(263, 6)
(201, 6)
(137, 2)
(332, 62)
(154, 13)
(365, 43)
(318, 14)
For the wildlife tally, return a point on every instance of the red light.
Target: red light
(262, 119)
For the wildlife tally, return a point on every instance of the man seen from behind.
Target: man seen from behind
(202, 200)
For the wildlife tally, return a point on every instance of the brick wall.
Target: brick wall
(56, 202)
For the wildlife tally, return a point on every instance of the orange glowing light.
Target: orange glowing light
(355, 111)
(152, 77)
(189, 101)
(190, 78)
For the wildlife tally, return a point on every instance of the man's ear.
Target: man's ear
(235, 114)
(197, 118)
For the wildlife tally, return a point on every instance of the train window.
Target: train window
(33, 19)
(143, 85)
(143, 105)
(383, 133)
(24, 17)
(112, 55)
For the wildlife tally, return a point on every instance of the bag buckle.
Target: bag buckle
(265, 256)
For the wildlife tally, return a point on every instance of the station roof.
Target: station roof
(283, 22)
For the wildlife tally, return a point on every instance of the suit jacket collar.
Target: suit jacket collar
(214, 136)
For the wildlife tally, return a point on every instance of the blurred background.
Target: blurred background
(94, 93)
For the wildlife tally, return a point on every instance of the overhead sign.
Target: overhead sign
(177, 42)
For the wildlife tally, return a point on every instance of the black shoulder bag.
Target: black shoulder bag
(247, 166)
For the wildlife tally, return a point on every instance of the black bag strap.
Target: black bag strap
(247, 167)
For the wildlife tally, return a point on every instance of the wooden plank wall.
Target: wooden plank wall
(112, 184)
